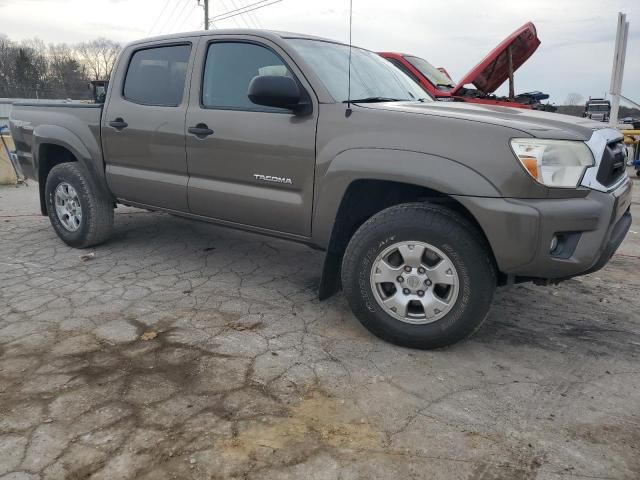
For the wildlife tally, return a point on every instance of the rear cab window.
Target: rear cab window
(156, 75)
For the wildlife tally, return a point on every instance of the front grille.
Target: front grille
(612, 166)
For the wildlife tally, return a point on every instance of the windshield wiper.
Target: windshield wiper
(448, 85)
(374, 100)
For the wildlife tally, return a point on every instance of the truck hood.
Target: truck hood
(532, 122)
(493, 70)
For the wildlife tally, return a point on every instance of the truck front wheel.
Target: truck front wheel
(80, 214)
(419, 275)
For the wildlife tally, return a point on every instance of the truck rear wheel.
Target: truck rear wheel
(419, 276)
(80, 214)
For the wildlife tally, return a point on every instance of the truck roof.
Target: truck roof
(273, 34)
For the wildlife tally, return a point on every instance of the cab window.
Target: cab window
(156, 76)
(230, 67)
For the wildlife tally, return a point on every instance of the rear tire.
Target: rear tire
(80, 214)
(445, 292)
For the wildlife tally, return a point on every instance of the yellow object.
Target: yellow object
(531, 164)
(630, 136)
(7, 173)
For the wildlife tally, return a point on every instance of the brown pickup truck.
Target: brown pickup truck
(423, 207)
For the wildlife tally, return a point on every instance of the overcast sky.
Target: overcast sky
(575, 56)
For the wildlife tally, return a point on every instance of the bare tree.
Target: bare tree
(66, 75)
(574, 99)
(32, 69)
(7, 66)
(98, 57)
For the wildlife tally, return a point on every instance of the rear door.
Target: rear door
(253, 165)
(143, 125)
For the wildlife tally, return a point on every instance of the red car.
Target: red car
(496, 68)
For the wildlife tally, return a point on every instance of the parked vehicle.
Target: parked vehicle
(634, 122)
(422, 207)
(487, 76)
(597, 109)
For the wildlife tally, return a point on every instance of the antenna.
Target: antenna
(348, 112)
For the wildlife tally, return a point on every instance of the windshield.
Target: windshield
(372, 77)
(432, 74)
(599, 107)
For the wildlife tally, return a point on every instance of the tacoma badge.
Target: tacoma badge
(271, 178)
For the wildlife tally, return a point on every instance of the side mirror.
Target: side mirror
(277, 91)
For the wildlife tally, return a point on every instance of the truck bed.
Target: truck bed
(77, 123)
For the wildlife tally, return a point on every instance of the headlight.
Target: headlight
(554, 163)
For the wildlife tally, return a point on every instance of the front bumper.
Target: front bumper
(520, 231)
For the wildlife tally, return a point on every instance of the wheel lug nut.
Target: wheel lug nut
(407, 268)
(400, 279)
(406, 291)
(421, 271)
(420, 293)
(427, 282)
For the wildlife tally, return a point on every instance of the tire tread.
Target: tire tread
(435, 217)
(98, 207)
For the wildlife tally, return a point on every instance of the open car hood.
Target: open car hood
(493, 70)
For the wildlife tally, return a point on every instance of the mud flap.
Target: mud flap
(330, 282)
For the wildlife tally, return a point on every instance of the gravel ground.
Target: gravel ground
(185, 350)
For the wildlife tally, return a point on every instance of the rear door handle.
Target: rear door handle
(200, 130)
(118, 123)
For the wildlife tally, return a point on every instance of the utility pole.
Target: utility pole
(618, 67)
(206, 13)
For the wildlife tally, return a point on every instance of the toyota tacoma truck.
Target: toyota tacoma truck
(423, 208)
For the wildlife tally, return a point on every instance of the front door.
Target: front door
(143, 126)
(248, 164)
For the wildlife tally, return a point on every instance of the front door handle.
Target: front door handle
(200, 130)
(118, 123)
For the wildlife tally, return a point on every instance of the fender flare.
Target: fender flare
(63, 137)
(441, 174)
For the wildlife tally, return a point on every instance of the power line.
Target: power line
(254, 17)
(235, 21)
(158, 17)
(224, 16)
(211, 25)
(168, 21)
(248, 17)
(179, 16)
(193, 7)
(241, 8)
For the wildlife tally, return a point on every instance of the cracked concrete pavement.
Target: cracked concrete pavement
(245, 374)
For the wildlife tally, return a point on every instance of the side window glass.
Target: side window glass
(230, 67)
(156, 76)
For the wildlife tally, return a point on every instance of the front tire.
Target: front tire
(419, 276)
(80, 214)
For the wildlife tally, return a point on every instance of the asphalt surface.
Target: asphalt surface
(186, 350)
